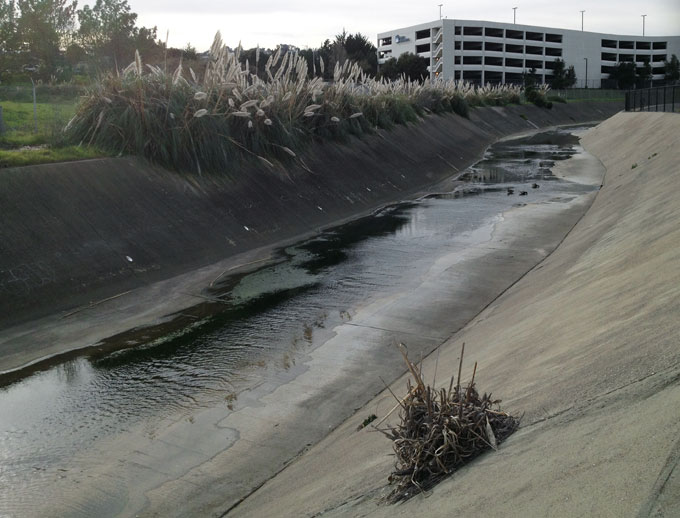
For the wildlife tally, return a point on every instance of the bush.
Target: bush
(538, 96)
(232, 114)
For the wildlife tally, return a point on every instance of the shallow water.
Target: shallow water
(266, 319)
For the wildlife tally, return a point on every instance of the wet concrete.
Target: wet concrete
(190, 423)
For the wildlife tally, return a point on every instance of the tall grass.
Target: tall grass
(209, 125)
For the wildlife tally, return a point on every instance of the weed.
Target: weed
(231, 399)
(367, 421)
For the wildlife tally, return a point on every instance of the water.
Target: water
(266, 322)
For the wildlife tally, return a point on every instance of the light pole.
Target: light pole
(514, 15)
(643, 23)
(586, 72)
(440, 11)
(582, 19)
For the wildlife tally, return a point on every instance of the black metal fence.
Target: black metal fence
(659, 99)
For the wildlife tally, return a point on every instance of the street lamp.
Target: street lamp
(440, 11)
(514, 15)
(643, 23)
(582, 19)
(586, 72)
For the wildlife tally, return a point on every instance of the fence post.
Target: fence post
(35, 109)
(656, 103)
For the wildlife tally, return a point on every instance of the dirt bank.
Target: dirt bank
(585, 346)
(123, 232)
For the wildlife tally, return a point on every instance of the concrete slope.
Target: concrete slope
(585, 346)
(80, 233)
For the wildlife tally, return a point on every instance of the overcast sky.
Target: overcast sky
(309, 23)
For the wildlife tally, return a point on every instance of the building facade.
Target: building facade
(490, 52)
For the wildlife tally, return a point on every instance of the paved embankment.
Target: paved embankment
(119, 231)
(585, 346)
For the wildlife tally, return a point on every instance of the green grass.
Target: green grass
(593, 100)
(22, 145)
(557, 99)
(20, 125)
(46, 155)
(45, 93)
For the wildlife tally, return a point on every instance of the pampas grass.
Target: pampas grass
(230, 114)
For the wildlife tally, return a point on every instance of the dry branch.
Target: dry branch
(439, 431)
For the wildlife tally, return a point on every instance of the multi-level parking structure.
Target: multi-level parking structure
(490, 52)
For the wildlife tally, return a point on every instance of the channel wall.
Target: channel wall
(77, 232)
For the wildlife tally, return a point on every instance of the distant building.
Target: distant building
(490, 52)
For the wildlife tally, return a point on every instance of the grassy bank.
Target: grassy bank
(209, 125)
(35, 135)
(43, 154)
(23, 127)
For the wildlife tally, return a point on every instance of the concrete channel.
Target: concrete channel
(191, 422)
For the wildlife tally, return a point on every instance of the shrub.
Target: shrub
(231, 114)
(538, 96)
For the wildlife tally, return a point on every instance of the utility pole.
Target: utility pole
(643, 23)
(586, 72)
(514, 15)
(582, 19)
(440, 11)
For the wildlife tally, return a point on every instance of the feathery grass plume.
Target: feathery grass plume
(138, 64)
(161, 116)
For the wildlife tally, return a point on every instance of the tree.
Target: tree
(360, 49)
(672, 69)
(189, 51)
(8, 33)
(624, 74)
(345, 46)
(530, 79)
(42, 30)
(409, 65)
(644, 74)
(338, 54)
(562, 77)
(108, 30)
(388, 69)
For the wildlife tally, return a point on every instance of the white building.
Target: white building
(491, 52)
